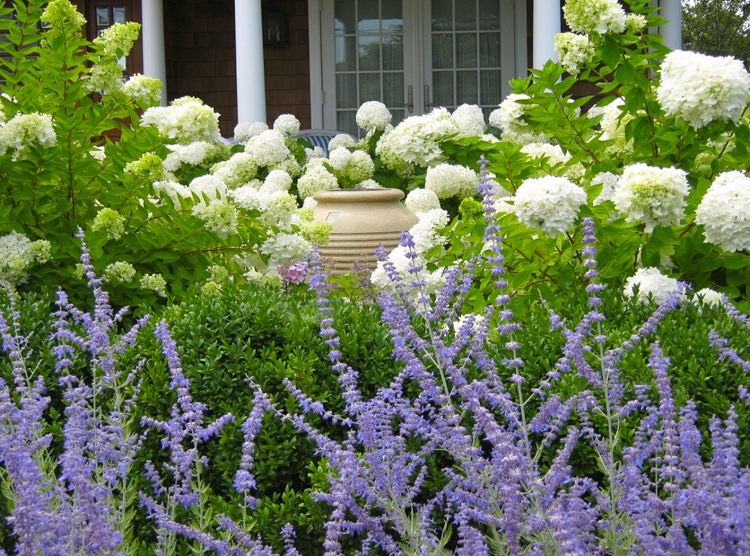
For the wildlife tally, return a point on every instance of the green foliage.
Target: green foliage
(50, 191)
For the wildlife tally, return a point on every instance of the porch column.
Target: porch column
(154, 59)
(547, 24)
(251, 86)
(671, 10)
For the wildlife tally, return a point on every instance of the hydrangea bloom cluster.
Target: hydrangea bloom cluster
(287, 124)
(469, 119)
(508, 118)
(608, 181)
(210, 187)
(416, 140)
(144, 90)
(244, 131)
(650, 281)
(106, 75)
(595, 16)
(268, 148)
(613, 126)
(62, 15)
(654, 196)
(702, 88)
(316, 178)
(354, 167)
(111, 222)
(450, 180)
(17, 254)
(285, 249)
(185, 121)
(422, 200)
(237, 171)
(155, 282)
(555, 157)
(724, 212)
(192, 154)
(549, 203)
(219, 217)
(118, 39)
(710, 297)
(24, 130)
(574, 51)
(373, 115)
(119, 271)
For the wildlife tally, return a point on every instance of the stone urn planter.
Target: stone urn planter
(362, 221)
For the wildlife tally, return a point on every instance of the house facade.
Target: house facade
(252, 60)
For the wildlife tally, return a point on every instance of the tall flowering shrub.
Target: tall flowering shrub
(154, 215)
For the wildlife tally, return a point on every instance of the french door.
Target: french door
(414, 55)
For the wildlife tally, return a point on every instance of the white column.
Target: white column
(154, 59)
(547, 24)
(671, 10)
(251, 85)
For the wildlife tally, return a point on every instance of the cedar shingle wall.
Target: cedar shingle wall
(201, 58)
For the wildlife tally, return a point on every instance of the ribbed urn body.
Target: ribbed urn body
(361, 221)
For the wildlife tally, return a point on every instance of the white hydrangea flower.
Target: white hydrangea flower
(309, 203)
(278, 180)
(574, 51)
(549, 204)
(469, 120)
(285, 249)
(111, 222)
(247, 197)
(277, 208)
(24, 130)
(654, 196)
(635, 22)
(339, 157)
(425, 232)
(651, 281)
(450, 180)
(608, 181)
(237, 171)
(710, 297)
(288, 165)
(244, 131)
(267, 148)
(416, 140)
(119, 271)
(210, 186)
(359, 167)
(316, 178)
(724, 212)
(315, 152)
(373, 115)
(144, 90)
(219, 217)
(613, 126)
(174, 190)
(595, 16)
(508, 118)
(341, 140)
(186, 120)
(192, 153)
(380, 279)
(701, 88)
(17, 254)
(287, 125)
(369, 184)
(155, 282)
(422, 200)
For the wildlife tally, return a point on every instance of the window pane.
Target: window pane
(466, 89)
(393, 89)
(442, 51)
(347, 121)
(368, 18)
(369, 87)
(344, 17)
(489, 50)
(346, 54)
(442, 15)
(466, 16)
(489, 14)
(393, 52)
(491, 85)
(369, 53)
(102, 17)
(397, 117)
(392, 18)
(346, 91)
(466, 50)
(119, 15)
(442, 91)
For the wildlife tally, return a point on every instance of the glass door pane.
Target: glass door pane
(466, 61)
(369, 58)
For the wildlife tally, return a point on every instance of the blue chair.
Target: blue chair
(320, 137)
